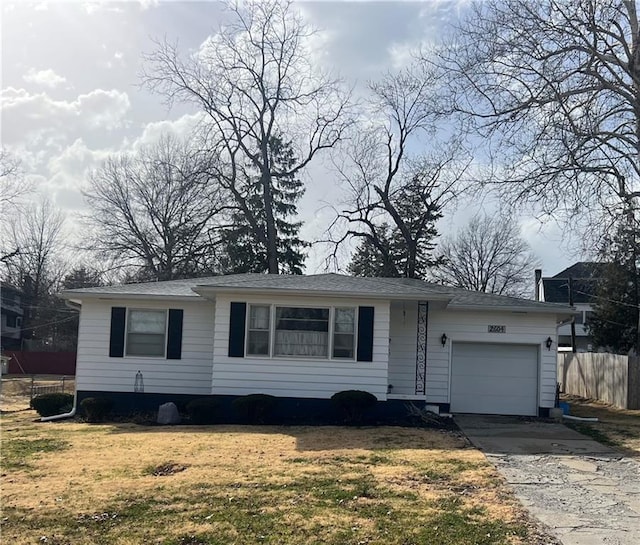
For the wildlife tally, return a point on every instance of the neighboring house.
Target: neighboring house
(555, 289)
(12, 313)
(304, 338)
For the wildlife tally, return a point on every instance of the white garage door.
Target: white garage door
(494, 379)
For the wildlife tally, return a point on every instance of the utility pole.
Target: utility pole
(573, 318)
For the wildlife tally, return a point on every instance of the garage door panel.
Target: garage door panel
(511, 405)
(494, 378)
(490, 387)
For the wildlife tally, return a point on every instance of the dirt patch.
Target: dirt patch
(162, 470)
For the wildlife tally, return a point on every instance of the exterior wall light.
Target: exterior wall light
(548, 343)
(443, 339)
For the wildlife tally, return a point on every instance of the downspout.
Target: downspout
(72, 412)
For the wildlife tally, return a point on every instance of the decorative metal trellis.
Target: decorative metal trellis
(421, 348)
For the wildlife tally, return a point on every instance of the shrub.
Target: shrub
(96, 409)
(352, 405)
(255, 408)
(52, 404)
(203, 410)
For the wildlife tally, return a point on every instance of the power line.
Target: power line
(39, 326)
(608, 300)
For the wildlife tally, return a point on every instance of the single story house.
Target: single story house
(304, 338)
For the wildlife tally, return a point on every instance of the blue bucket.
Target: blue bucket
(564, 406)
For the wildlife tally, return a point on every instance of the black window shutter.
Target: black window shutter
(365, 333)
(174, 334)
(237, 324)
(116, 337)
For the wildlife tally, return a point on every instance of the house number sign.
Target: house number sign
(497, 329)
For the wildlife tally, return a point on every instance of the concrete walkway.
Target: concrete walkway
(584, 492)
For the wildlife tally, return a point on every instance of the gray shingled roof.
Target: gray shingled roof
(556, 290)
(402, 288)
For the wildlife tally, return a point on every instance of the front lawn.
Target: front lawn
(71, 482)
(619, 428)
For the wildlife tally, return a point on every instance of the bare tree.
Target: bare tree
(488, 255)
(396, 196)
(13, 187)
(255, 81)
(555, 87)
(156, 210)
(36, 267)
(12, 182)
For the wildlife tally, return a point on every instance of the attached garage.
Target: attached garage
(489, 378)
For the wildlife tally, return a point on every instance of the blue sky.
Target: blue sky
(71, 94)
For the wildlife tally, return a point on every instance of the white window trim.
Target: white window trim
(248, 330)
(166, 333)
(355, 333)
(331, 332)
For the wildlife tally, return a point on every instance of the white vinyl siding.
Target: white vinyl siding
(190, 375)
(402, 347)
(299, 376)
(471, 326)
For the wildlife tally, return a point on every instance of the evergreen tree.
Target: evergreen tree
(246, 252)
(614, 321)
(408, 252)
(375, 256)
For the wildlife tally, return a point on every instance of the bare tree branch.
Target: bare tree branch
(555, 86)
(487, 255)
(255, 82)
(158, 210)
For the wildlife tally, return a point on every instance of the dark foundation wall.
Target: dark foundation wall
(288, 410)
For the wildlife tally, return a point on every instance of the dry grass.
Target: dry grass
(618, 427)
(71, 482)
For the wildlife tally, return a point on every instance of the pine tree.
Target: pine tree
(245, 251)
(408, 252)
(614, 321)
(375, 256)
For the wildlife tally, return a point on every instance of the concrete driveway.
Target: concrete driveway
(584, 492)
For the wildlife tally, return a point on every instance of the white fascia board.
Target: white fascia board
(559, 312)
(209, 291)
(79, 297)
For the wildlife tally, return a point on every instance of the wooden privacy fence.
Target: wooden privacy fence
(611, 378)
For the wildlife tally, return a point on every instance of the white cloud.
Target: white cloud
(403, 54)
(70, 167)
(44, 78)
(183, 128)
(41, 120)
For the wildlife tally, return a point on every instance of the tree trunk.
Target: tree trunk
(272, 233)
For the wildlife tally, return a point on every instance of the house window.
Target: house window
(302, 332)
(258, 330)
(12, 321)
(344, 329)
(146, 332)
